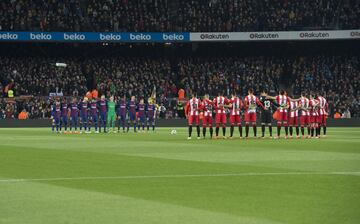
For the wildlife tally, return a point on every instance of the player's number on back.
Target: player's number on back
(267, 104)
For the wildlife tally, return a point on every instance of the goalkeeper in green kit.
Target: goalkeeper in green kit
(111, 115)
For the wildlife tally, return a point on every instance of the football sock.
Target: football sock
(224, 131)
(270, 130)
(190, 130)
(291, 130)
(240, 130)
(263, 130)
(198, 130)
(204, 131)
(297, 131)
(247, 130)
(231, 130)
(211, 132)
(254, 129)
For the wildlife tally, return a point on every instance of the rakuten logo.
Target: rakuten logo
(355, 34)
(314, 35)
(110, 37)
(264, 36)
(74, 36)
(8, 36)
(40, 36)
(140, 36)
(173, 37)
(218, 36)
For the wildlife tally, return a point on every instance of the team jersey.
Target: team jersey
(151, 110)
(74, 109)
(83, 109)
(193, 106)
(283, 102)
(313, 107)
(251, 103)
(322, 105)
(56, 111)
(93, 109)
(305, 106)
(293, 109)
(219, 103)
(102, 106)
(64, 109)
(111, 107)
(267, 104)
(141, 109)
(121, 109)
(236, 106)
(207, 106)
(131, 107)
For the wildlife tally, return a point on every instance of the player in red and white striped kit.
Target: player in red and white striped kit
(283, 103)
(250, 104)
(220, 103)
(322, 114)
(313, 103)
(293, 118)
(304, 104)
(235, 107)
(192, 113)
(207, 107)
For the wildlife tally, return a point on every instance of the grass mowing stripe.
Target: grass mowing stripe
(182, 176)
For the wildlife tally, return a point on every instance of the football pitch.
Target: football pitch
(164, 179)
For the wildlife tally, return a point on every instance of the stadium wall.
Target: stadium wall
(9, 123)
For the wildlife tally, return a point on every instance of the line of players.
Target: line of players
(313, 114)
(103, 114)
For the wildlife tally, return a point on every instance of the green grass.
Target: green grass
(161, 178)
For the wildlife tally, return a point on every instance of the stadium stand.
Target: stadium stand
(170, 16)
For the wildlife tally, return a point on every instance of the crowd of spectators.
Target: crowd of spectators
(337, 77)
(182, 16)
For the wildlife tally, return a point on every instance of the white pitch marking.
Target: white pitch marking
(179, 176)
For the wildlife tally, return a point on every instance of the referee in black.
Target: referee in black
(266, 115)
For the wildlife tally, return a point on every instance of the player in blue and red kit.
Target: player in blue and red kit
(131, 106)
(121, 113)
(56, 114)
(84, 113)
(151, 111)
(74, 114)
(141, 109)
(64, 115)
(102, 105)
(94, 115)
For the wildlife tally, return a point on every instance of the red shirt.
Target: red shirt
(236, 106)
(219, 103)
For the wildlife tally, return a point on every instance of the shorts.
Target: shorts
(103, 116)
(293, 121)
(266, 117)
(193, 118)
(321, 119)
(304, 120)
(132, 116)
(220, 118)
(235, 119)
(250, 117)
(313, 119)
(142, 119)
(94, 119)
(282, 116)
(207, 120)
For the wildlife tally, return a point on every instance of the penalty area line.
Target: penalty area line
(179, 176)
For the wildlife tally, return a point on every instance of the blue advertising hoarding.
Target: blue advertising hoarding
(93, 37)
